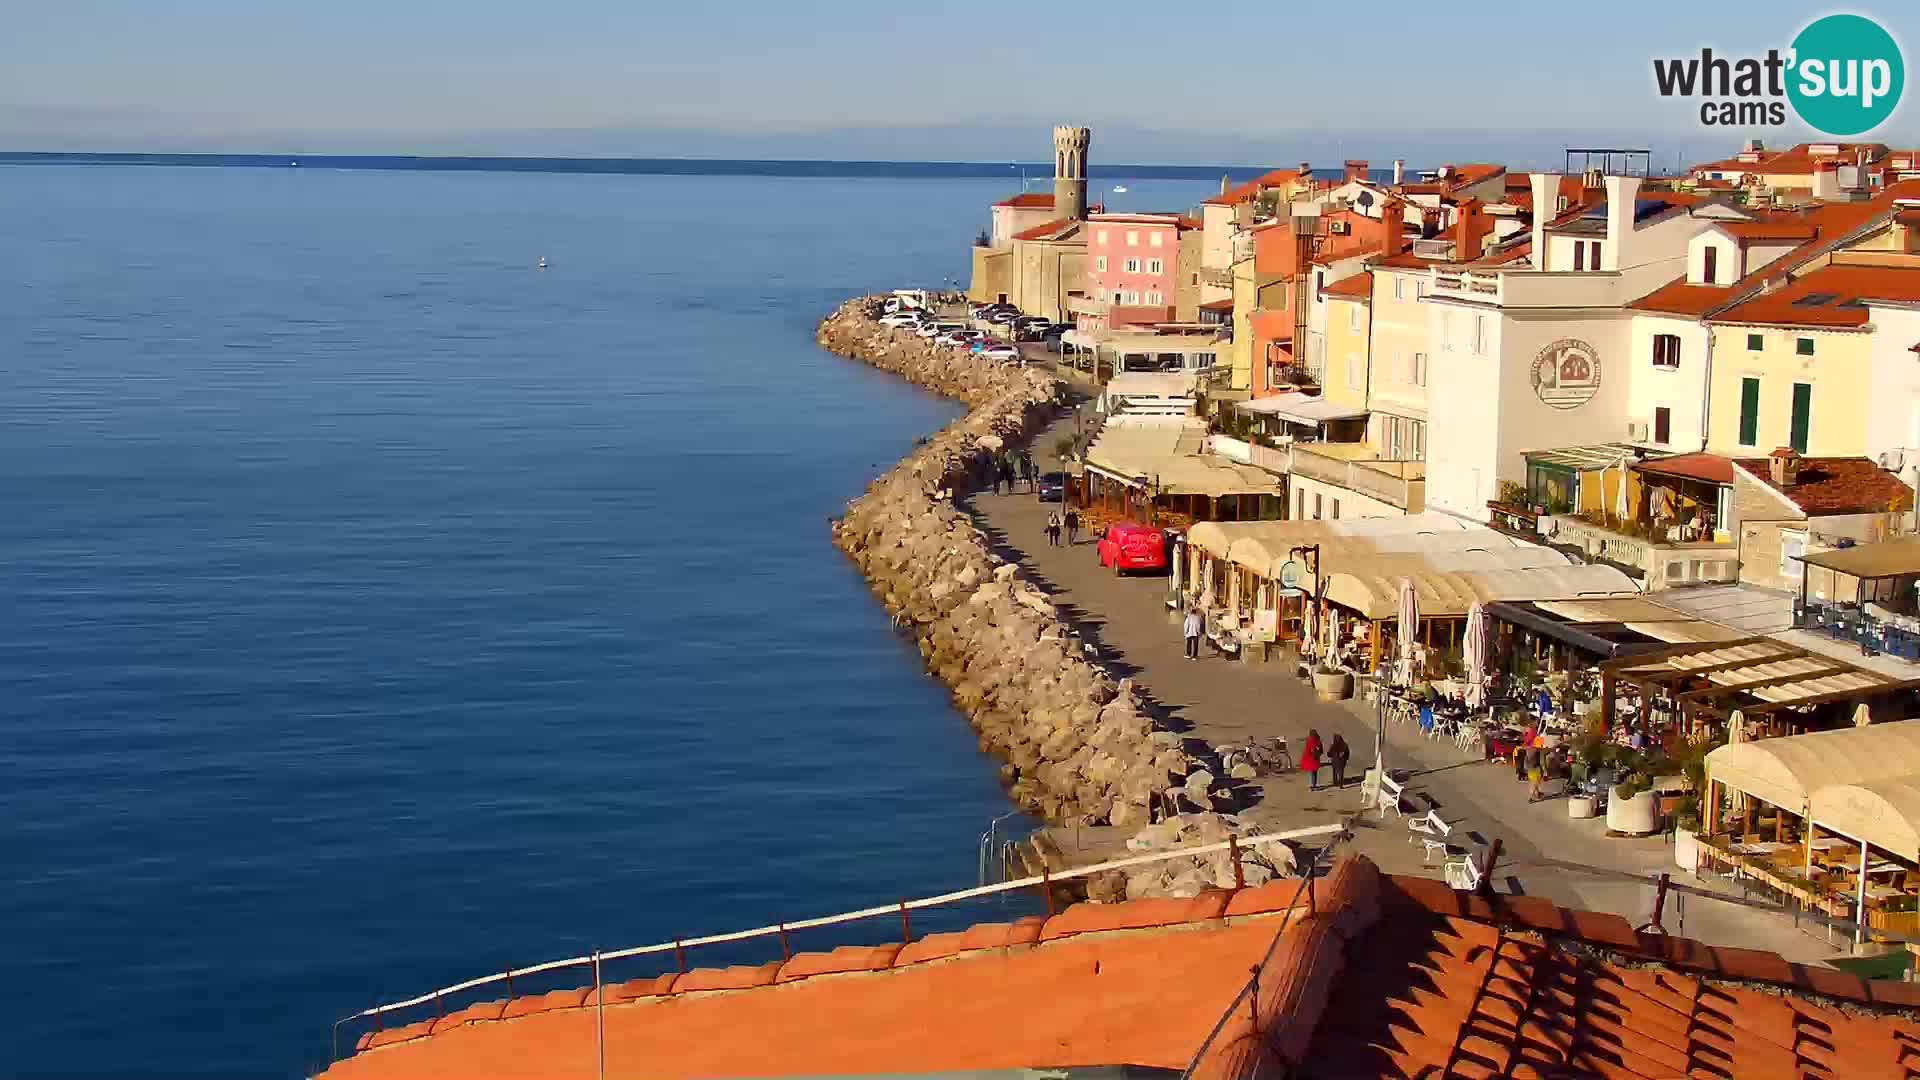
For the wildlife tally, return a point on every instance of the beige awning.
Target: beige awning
(1170, 459)
(1884, 814)
(1890, 558)
(1787, 770)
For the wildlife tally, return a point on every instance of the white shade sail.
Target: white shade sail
(1885, 814)
(1787, 770)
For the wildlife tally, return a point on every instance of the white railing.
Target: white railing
(781, 930)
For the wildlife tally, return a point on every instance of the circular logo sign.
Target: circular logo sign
(1566, 374)
(1290, 572)
(1847, 74)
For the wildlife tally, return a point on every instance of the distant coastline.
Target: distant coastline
(629, 166)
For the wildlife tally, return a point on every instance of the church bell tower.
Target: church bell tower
(1070, 171)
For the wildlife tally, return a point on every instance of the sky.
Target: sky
(1166, 82)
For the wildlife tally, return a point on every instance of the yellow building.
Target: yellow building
(1349, 326)
(1794, 366)
(1250, 289)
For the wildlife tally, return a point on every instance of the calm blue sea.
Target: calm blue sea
(377, 610)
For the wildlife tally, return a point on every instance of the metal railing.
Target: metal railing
(902, 909)
(1249, 994)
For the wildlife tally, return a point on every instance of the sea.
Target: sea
(379, 609)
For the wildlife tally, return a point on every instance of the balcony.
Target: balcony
(1658, 562)
(1401, 484)
(1083, 305)
(1480, 288)
(1874, 628)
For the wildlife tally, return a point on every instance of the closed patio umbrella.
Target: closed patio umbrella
(1862, 716)
(1409, 629)
(1621, 506)
(1737, 733)
(1475, 649)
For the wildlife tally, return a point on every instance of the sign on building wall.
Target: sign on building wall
(1566, 374)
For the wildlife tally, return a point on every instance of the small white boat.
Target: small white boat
(1119, 189)
(543, 262)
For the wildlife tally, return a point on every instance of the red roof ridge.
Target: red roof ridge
(1030, 200)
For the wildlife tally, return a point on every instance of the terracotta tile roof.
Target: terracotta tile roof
(1406, 260)
(1677, 297)
(1709, 467)
(1797, 160)
(1380, 976)
(1354, 287)
(1837, 485)
(1251, 190)
(1218, 305)
(1822, 298)
(1044, 230)
(1474, 173)
(1572, 188)
(1029, 200)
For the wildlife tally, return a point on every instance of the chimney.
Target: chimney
(1623, 194)
(1826, 180)
(1783, 466)
(1356, 169)
(1546, 196)
(1399, 171)
(1468, 231)
(1393, 222)
(1224, 184)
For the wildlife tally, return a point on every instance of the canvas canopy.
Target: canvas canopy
(1891, 558)
(1884, 814)
(1786, 771)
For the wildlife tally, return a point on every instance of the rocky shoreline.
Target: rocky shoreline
(1078, 746)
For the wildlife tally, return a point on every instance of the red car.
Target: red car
(1128, 546)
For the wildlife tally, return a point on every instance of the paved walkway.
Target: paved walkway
(1225, 701)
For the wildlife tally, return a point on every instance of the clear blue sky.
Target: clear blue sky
(400, 69)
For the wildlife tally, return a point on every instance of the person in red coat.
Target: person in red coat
(1310, 759)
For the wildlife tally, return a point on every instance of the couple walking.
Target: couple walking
(1313, 755)
(1071, 522)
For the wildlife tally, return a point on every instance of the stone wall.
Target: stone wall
(1077, 744)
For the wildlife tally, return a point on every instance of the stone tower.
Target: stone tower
(1070, 171)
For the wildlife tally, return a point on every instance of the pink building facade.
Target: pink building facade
(1133, 268)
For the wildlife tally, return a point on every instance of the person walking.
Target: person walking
(1310, 759)
(1073, 526)
(1053, 529)
(1191, 628)
(1534, 769)
(1029, 468)
(1337, 754)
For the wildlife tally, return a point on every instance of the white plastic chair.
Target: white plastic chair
(1464, 872)
(1430, 830)
(1387, 793)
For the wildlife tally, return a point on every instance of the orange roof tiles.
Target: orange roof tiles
(1677, 297)
(1029, 200)
(1709, 467)
(1837, 485)
(1406, 260)
(1354, 287)
(1251, 190)
(1378, 977)
(1840, 285)
(1225, 304)
(1044, 230)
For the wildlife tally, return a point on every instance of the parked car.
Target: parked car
(935, 329)
(1003, 318)
(1127, 545)
(903, 320)
(1001, 351)
(1052, 487)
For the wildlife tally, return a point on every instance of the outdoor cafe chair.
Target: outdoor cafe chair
(1464, 872)
(1430, 830)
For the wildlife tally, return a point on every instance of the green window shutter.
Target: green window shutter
(1753, 342)
(1803, 346)
(1749, 411)
(1802, 414)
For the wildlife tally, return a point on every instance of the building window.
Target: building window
(1335, 516)
(1479, 334)
(1579, 254)
(1133, 266)
(1154, 239)
(1399, 292)
(1662, 425)
(1802, 416)
(1419, 370)
(1155, 266)
(1803, 346)
(1666, 351)
(1710, 272)
(1318, 506)
(1100, 263)
(1593, 255)
(1100, 235)
(1129, 297)
(1153, 298)
(1755, 343)
(1749, 412)
(1420, 290)
(1133, 238)
(1319, 281)
(1353, 316)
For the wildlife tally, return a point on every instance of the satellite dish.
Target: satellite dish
(1365, 199)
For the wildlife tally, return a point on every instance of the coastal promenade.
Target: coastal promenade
(1224, 702)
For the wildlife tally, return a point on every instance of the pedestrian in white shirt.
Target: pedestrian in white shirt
(1192, 628)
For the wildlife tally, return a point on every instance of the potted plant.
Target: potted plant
(1631, 806)
(1332, 684)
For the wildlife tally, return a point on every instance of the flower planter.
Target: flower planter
(1333, 685)
(1686, 850)
(1632, 817)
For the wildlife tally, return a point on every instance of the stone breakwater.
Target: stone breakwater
(1078, 746)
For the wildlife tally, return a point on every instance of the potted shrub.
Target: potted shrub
(1631, 806)
(1332, 684)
